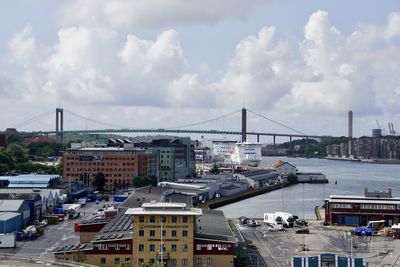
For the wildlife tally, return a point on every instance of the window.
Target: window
(185, 219)
(127, 260)
(117, 260)
(141, 219)
(163, 219)
(102, 247)
(140, 262)
(173, 247)
(164, 233)
(209, 261)
(173, 262)
(184, 262)
(141, 247)
(174, 219)
(341, 206)
(173, 233)
(162, 247)
(152, 247)
(198, 247)
(198, 261)
(184, 248)
(184, 233)
(209, 246)
(103, 260)
(152, 233)
(152, 219)
(141, 232)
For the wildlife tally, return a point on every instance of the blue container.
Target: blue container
(19, 236)
(58, 211)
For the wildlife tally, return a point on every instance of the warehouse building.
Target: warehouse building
(358, 210)
(18, 206)
(10, 222)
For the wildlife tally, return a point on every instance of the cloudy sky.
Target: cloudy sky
(166, 63)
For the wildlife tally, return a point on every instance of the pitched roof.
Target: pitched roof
(280, 163)
(10, 205)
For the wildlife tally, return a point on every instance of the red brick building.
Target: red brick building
(358, 210)
(119, 165)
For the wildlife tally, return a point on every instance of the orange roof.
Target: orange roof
(278, 163)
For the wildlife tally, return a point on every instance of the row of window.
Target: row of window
(164, 219)
(173, 262)
(152, 248)
(101, 169)
(163, 233)
(113, 246)
(363, 206)
(116, 261)
(94, 163)
(221, 247)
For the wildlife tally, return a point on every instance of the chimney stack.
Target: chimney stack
(350, 124)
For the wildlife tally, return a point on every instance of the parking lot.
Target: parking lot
(56, 235)
(277, 248)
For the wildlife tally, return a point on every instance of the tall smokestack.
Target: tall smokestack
(350, 124)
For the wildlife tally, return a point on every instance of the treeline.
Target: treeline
(16, 157)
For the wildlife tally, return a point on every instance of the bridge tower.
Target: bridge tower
(59, 125)
(244, 124)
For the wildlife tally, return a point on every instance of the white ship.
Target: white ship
(246, 154)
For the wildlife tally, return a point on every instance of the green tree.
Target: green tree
(99, 181)
(6, 158)
(18, 153)
(4, 169)
(14, 138)
(215, 169)
(292, 178)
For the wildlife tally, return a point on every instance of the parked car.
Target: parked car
(303, 231)
(301, 222)
(252, 223)
(243, 219)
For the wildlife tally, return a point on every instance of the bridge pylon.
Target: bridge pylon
(244, 124)
(59, 125)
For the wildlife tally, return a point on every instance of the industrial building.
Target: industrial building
(20, 207)
(258, 178)
(10, 222)
(155, 224)
(119, 165)
(358, 210)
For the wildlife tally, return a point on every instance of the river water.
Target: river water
(300, 199)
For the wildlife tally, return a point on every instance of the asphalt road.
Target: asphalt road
(57, 235)
(278, 248)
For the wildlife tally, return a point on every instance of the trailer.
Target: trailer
(8, 240)
(82, 201)
(74, 211)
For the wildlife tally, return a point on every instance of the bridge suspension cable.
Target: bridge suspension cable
(33, 119)
(204, 122)
(92, 120)
(276, 122)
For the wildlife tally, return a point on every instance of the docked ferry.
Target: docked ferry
(246, 154)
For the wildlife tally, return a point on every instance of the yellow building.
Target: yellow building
(163, 232)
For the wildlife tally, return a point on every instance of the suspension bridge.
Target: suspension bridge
(59, 131)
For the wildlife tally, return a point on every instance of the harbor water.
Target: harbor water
(345, 178)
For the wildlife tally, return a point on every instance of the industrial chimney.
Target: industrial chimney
(350, 124)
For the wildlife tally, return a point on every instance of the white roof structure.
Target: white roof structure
(161, 208)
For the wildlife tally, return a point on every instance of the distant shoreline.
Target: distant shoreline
(369, 161)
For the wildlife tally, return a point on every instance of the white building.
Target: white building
(283, 167)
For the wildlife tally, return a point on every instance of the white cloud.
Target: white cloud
(141, 14)
(326, 73)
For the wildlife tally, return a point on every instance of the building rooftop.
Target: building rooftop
(119, 227)
(30, 178)
(164, 209)
(213, 225)
(10, 205)
(4, 216)
(19, 196)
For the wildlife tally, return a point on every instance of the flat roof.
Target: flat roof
(213, 225)
(332, 197)
(174, 211)
(32, 178)
(163, 205)
(365, 201)
(4, 216)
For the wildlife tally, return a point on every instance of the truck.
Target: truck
(74, 211)
(8, 240)
(371, 228)
(82, 201)
(273, 220)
